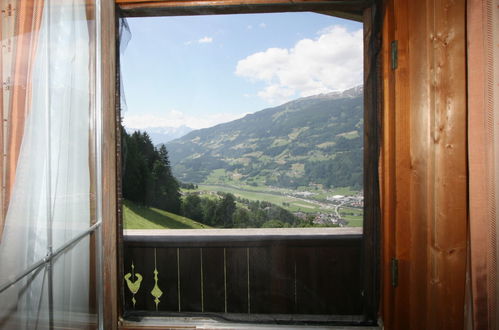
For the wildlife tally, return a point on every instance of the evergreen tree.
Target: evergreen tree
(210, 212)
(147, 176)
(192, 208)
(227, 206)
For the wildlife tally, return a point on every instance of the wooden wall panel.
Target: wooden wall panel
(420, 174)
(190, 280)
(214, 296)
(237, 281)
(483, 153)
(424, 178)
(448, 229)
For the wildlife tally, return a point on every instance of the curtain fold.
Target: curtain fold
(28, 16)
(48, 146)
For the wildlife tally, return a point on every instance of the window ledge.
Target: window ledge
(246, 231)
(209, 323)
(238, 234)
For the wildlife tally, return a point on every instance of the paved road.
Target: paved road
(336, 209)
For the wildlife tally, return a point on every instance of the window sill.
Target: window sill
(234, 235)
(210, 323)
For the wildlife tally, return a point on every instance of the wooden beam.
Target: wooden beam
(388, 168)
(232, 2)
(109, 198)
(372, 142)
(352, 9)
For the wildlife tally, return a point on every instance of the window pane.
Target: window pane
(25, 305)
(74, 288)
(242, 121)
(243, 133)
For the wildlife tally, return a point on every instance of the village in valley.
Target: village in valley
(322, 207)
(334, 203)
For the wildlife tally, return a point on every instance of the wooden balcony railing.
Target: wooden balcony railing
(298, 271)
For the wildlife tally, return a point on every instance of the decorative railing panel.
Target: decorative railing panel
(236, 271)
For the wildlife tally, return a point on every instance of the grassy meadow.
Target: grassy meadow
(141, 217)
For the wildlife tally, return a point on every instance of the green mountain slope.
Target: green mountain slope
(313, 140)
(142, 217)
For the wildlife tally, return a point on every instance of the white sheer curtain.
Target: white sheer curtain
(51, 196)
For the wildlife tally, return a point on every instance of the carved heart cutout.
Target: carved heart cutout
(133, 286)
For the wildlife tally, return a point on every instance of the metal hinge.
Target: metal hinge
(395, 272)
(395, 54)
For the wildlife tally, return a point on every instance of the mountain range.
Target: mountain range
(161, 135)
(311, 140)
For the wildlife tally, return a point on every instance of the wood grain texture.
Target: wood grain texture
(93, 294)
(272, 279)
(214, 277)
(275, 279)
(237, 280)
(482, 49)
(448, 212)
(402, 171)
(424, 165)
(210, 1)
(345, 9)
(387, 168)
(109, 222)
(478, 160)
(372, 140)
(190, 280)
(420, 175)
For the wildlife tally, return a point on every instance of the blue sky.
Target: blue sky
(199, 71)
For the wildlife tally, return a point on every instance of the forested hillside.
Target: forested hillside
(147, 176)
(149, 189)
(313, 140)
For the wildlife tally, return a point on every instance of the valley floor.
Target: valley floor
(341, 203)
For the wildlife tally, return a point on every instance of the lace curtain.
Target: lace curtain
(50, 201)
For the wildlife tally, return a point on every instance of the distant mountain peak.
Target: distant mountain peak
(163, 134)
(334, 95)
(347, 93)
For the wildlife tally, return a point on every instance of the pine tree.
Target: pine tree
(147, 175)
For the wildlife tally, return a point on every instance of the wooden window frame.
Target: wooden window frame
(367, 11)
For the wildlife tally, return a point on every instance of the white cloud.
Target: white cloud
(249, 27)
(332, 61)
(262, 25)
(175, 118)
(205, 40)
(276, 94)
